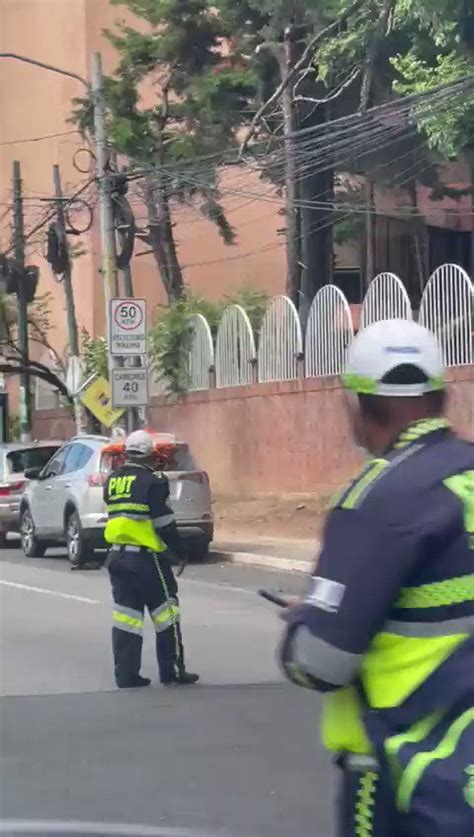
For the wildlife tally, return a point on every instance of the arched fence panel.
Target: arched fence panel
(201, 354)
(386, 299)
(447, 309)
(329, 332)
(235, 349)
(280, 343)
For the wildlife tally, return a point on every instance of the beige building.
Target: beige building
(35, 105)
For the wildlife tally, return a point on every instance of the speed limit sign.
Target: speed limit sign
(127, 327)
(129, 387)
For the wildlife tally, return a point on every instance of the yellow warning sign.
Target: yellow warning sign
(98, 399)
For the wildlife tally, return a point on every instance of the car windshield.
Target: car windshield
(19, 460)
(180, 459)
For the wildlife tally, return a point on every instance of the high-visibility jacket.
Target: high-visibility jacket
(392, 595)
(138, 510)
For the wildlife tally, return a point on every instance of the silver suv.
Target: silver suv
(15, 459)
(63, 502)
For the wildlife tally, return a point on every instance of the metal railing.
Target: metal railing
(235, 354)
(447, 309)
(280, 344)
(329, 332)
(386, 299)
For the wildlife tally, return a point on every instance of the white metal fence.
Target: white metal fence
(447, 309)
(386, 299)
(329, 331)
(281, 342)
(235, 349)
(201, 355)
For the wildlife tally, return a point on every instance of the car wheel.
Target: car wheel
(78, 550)
(3, 540)
(32, 547)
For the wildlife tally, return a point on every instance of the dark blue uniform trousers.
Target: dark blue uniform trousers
(143, 580)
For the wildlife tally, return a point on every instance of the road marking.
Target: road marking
(49, 592)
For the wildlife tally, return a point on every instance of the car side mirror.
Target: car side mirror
(33, 473)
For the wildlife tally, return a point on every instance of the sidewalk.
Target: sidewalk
(284, 554)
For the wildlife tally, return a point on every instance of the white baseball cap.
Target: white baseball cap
(382, 347)
(139, 443)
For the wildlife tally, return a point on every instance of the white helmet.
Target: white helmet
(381, 347)
(139, 443)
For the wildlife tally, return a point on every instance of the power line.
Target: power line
(39, 139)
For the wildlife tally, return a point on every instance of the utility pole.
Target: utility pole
(73, 336)
(72, 330)
(107, 231)
(106, 213)
(19, 249)
(284, 55)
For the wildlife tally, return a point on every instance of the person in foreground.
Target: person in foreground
(386, 630)
(141, 528)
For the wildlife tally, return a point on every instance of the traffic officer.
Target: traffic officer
(386, 628)
(141, 528)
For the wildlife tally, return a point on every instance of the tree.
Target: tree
(39, 319)
(441, 51)
(346, 57)
(198, 101)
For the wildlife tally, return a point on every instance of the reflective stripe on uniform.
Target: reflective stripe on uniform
(419, 429)
(322, 660)
(165, 616)
(144, 508)
(413, 773)
(125, 531)
(164, 520)
(359, 489)
(439, 593)
(413, 658)
(127, 515)
(127, 619)
(423, 630)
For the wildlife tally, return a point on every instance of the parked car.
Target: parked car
(15, 459)
(63, 502)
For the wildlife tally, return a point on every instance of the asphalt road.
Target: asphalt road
(236, 755)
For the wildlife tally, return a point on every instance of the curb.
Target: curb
(255, 559)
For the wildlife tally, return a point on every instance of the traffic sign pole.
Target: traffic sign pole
(127, 339)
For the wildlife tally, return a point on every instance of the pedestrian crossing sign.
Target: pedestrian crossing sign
(97, 397)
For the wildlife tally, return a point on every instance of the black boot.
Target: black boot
(182, 678)
(134, 683)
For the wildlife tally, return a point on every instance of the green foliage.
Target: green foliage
(94, 355)
(170, 338)
(451, 131)
(13, 427)
(201, 96)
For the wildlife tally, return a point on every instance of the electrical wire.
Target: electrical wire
(39, 139)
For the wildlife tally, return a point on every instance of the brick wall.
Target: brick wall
(271, 438)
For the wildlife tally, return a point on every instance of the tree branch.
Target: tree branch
(300, 64)
(36, 370)
(356, 71)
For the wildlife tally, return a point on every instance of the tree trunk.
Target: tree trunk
(370, 233)
(316, 220)
(154, 237)
(173, 268)
(418, 243)
(472, 230)
(176, 289)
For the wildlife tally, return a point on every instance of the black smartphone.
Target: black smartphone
(273, 598)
